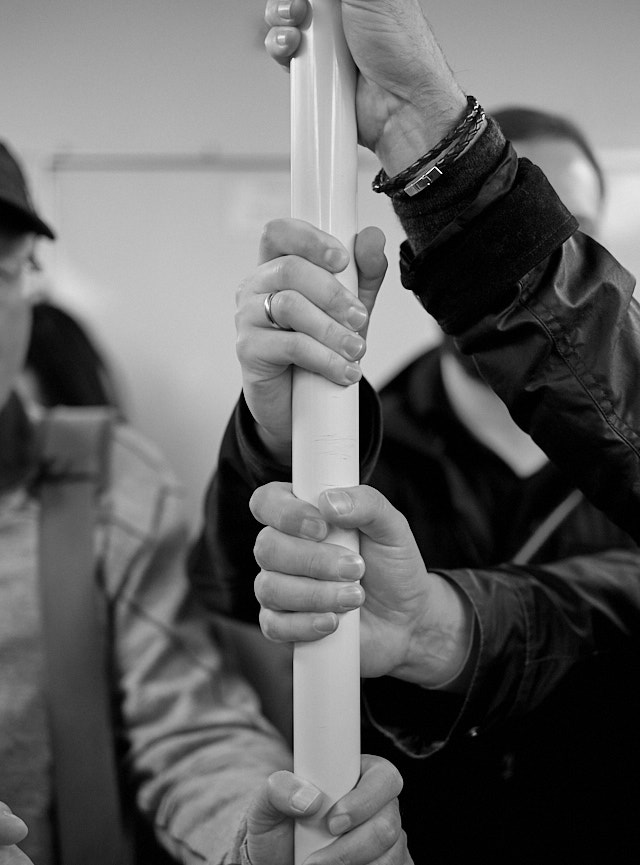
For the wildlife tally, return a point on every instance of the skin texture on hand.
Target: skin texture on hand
(12, 831)
(413, 625)
(301, 264)
(407, 98)
(365, 822)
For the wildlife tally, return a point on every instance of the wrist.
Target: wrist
(441, 644)
(414, 129)
(279, 449)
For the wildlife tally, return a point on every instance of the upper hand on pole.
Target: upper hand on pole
(407, 98)
(322, 326)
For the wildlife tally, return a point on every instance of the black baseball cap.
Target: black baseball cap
(16, 205)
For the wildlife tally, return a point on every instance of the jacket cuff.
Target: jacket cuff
(497, 681)
(475, 269)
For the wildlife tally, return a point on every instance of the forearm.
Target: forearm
(549, 317)
(198, 745)
(535, 626)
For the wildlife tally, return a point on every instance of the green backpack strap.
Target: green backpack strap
(75, 456)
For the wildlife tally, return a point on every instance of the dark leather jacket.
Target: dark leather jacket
(549, 317)
(541, 763)
(518, 744)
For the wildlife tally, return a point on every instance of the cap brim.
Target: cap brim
(22, 218)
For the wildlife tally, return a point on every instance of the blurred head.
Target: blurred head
(20, 226)
(562, 151)
(63, 365)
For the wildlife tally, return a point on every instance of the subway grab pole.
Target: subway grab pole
(324, 157)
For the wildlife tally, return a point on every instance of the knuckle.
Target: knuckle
(255, 504)
(317, 567)
(335, 294)
(312, 598)
(240, 291)
(270, 231)
(387, 828)
(265, 591)
(261, 548)
(295, 349)
(396, 782)
(287, 269)
(267, 625)
(243, 346)
(335, 367)
(259, 588)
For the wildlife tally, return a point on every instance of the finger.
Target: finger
(372, 265)
(257, 349)
(12, 828)
(278, 591)
(367, 509)
(380, 783)
(13, 856)
(304, 286)
(296, 627)
(282, 43)
(297, 237)
(276, 550)
(274, 504)
(281, 799)
(278, 12)
(283, 796)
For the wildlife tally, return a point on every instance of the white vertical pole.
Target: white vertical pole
(326, 674)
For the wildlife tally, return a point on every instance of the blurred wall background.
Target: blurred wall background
(156, 133)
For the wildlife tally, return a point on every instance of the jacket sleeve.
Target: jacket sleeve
(550, 320)
(534, 626)
(221, 563)
(196, 744)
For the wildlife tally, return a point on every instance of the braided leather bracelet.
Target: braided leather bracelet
(429, 174)
(383, 183)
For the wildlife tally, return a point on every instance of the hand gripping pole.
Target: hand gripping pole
(326, 674)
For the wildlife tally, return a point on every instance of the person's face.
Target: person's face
(16, 252)
(571, 175)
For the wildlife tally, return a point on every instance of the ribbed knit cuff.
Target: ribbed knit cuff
(426, 214)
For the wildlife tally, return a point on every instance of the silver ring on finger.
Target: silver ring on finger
(269, 313)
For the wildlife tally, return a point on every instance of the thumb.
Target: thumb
(372, 265)
(365, 508)
(279, 801)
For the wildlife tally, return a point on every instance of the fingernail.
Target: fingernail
(350, 568)
(314, 529)
(337, 259)
(284, 9)
(340, 824)
(325, 624)
(353, 346)
(350, 597)
(356, 317)
(303, 798)
(340, 502)
(352, 373)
